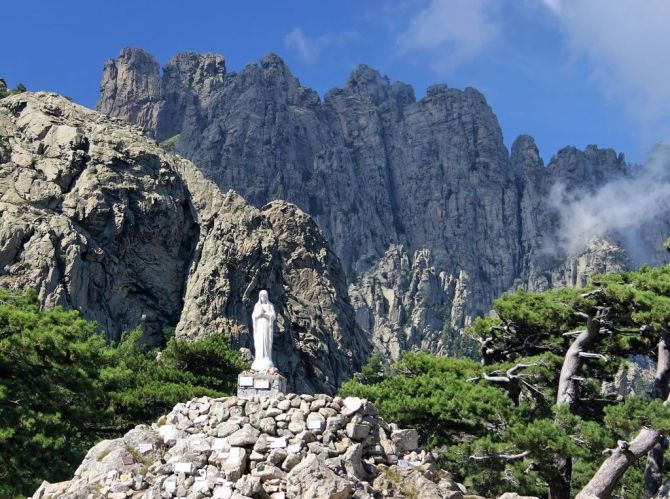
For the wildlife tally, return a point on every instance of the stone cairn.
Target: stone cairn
(286, 446)
(261, 444)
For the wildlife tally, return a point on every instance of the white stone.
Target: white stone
(314, 424)
(294, 448)
(224, 492)
(170, 485)
(201, 419)
(168, 433)
(145, 447)
(233, 455)
(278, 443)
(220, 444)
(353, 404)
(246, 381)
(183, 467)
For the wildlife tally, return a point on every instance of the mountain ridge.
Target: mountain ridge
(377, 168)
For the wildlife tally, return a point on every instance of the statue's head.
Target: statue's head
(263, 296)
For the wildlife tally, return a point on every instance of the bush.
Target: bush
(62, 388)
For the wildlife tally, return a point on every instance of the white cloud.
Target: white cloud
(309, 48)
(621, 206)
(626, 44)
(452, 31)
(554, 5)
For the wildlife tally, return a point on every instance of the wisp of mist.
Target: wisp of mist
(619, 208)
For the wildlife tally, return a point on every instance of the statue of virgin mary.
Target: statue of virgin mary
(263, 321)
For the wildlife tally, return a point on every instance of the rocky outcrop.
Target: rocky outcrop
(286, 447)
(99, 218)
(131, 83)
(379, 169)
(350, 161)
(635, 377)
(405, 304)
(92, 216)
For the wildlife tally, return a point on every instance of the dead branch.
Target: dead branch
(590, 355)
(572, 363)
(501, 457)
(510, 374)
(574, 333)
(615, 466)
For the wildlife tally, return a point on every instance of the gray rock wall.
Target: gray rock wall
(379, 169)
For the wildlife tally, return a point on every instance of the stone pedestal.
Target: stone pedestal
(263, 384)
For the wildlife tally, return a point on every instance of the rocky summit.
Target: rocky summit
(430, 214)
(290, 446)
(97, 217)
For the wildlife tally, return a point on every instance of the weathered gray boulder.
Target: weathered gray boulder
(313, 479)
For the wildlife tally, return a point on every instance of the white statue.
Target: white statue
(263, 319)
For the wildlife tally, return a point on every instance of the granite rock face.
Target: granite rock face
(404, 304)
(380, 170)
(91, 217)
(291, 446)
(348, 161)
(97, 217)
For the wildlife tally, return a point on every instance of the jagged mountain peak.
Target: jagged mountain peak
(526, 154)
(366, 80)
(136, 55)
(274, 61)
(186, 63)
(376, 168)
(586, 169)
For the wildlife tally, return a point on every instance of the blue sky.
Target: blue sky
(567, 72)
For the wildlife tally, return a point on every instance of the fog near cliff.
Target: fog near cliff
(619, 208)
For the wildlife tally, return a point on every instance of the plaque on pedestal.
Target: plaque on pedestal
(263, 384)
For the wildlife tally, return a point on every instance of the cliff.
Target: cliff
(380, 170)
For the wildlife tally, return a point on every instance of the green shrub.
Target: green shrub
(62, 388)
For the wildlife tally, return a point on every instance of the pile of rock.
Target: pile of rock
(290, 446)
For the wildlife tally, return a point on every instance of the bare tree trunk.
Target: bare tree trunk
(660, 387)
(653, 471)
(559, 486)
(615, 466)
(574, 358)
